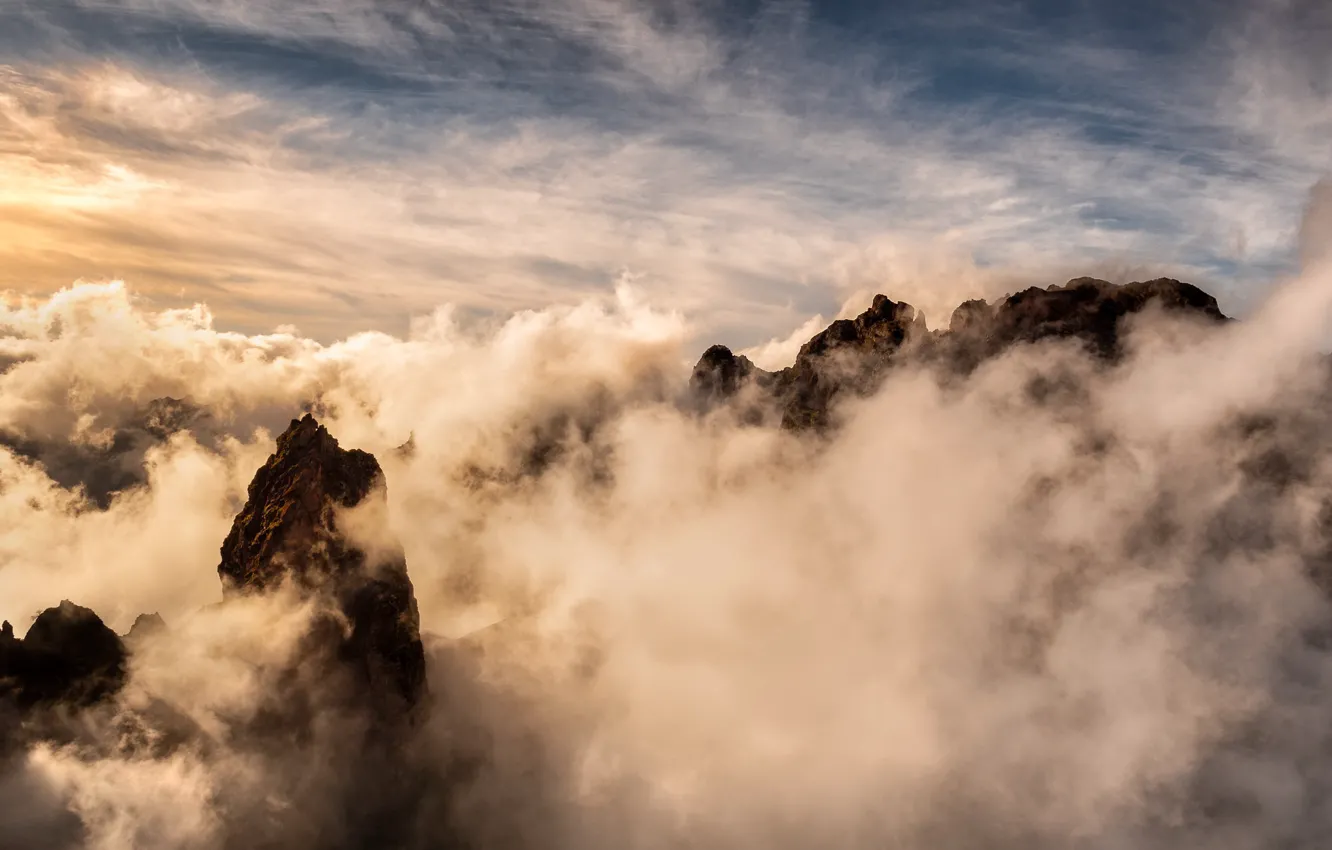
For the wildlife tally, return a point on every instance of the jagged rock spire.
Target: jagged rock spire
(288, 532)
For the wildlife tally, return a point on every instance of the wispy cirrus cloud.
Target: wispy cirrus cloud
(342, 164)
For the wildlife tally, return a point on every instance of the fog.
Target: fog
(1055, 603)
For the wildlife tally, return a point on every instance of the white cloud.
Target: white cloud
(722, 633)
(736, 177)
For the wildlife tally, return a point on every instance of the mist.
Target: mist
(1056, 602)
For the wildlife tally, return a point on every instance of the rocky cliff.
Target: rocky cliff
(68, 656)
(851, 356)
(288, 532)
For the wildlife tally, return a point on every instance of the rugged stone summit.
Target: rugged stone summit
(848, 355)
(851, 355)
(288, 532)
(68, 656)
(720, 373)
(1084, 308)
(145, 626)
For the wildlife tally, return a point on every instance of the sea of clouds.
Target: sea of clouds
(1057, 603)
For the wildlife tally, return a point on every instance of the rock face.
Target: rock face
(68, 656)
(848, 356)
(145, 626)
(720, 373)
(1084, 308)
(851, 355)
(288, 532)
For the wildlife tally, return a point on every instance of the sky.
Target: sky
(1054, 603)
(336, 166)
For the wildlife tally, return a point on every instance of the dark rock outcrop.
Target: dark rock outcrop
(165, 416)
(69, 656)
(848, 355)
(1086, 309)
(851, 356)
(288, 532)
(334, 722)
(145, 625)
(103, 470)
(720, 373)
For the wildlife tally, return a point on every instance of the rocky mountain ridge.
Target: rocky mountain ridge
(366, 631)
(68, 656)
(850, 356)
(336, 730)
(288, 533)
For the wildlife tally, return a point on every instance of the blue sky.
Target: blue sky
(341, 165)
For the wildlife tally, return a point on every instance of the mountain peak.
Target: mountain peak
(288, 532)
(68, 655)
(851, 355)
(293, 500)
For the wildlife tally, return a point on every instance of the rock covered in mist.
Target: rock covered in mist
(720, 373)
(1085, 308)
(68, 656)
(851, 355)
(145, 625)
(288, 532)
(165, 416)
(114, 461)
(848, 355)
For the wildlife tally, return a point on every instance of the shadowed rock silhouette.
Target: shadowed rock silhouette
(288, 532)
(68, 656)
(851, 356)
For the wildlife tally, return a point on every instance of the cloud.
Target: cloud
(779, 353)
(364, 163)
(974, 618)
(977, 615)
(1316, 229)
